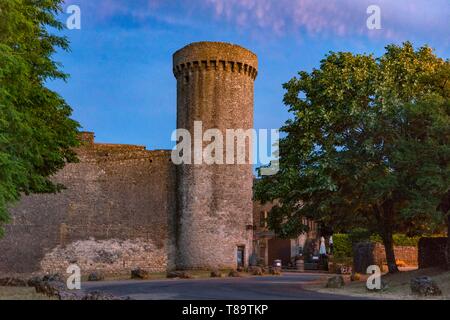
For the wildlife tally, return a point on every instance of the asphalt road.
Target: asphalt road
(289, 286)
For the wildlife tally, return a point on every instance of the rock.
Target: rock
(179, 274)
(139, 273)
(13, 282)
(216, 274)
(425, 286)
(234, 273)
(65, 295)
(53, 277)
(96, 276)
(256, 271)
(275, 271)
(52, 287)
(335, 282)
(355, 277)
(97, 295)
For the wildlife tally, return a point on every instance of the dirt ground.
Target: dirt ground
(21, 293)
(398, 285)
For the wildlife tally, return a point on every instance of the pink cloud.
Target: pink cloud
(285, 17)
(339, 17)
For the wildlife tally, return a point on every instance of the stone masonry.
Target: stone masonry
(118, 198)
(126, 207)
(215, 86)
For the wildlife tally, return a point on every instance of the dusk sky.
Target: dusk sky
(122, 86)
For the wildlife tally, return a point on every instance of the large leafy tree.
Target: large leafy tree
(36, 132)
(368, 145)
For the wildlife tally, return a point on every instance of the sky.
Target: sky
(121, 84)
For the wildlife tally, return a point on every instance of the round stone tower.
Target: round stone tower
(215, 85)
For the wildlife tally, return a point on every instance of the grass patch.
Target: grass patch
(21, 293)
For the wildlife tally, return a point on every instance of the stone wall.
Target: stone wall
(115, 214)
(127, 207)
(366, 254)
(432, 252)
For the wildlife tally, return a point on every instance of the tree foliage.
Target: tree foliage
(368, 145)
(36, 132)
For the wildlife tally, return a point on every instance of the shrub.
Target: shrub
(342, 245)
(359, 235)
(400, 240)
(405, 241)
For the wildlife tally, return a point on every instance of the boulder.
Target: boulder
(234, 273)
(335, 282)
(179, 274)
(355, 276)
(216, 274)
(98, 295)
(275, 271)
(425, 286)
(50, 286)
(256, 271)
(139, 273)
(96, 276)
(53, 277)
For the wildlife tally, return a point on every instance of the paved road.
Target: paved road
(290, 286)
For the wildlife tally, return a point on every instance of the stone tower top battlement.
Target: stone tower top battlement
(215, 56)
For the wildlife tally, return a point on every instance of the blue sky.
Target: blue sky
(122, 86)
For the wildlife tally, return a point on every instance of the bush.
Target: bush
(400, 240)
(359, 235)
(405, 241)
(342, 245)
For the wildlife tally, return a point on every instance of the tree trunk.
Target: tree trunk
(448, 242)
(444, 207)
(385, 219)
(388, 243)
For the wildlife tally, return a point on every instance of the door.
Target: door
(279, 249)
(240, 256)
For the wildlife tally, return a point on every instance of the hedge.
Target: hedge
(342, 242)
(342, 245)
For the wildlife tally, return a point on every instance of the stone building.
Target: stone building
(126, 207)
(268, 247)
(215, 84)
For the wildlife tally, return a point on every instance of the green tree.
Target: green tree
(36, 132)
(368, 145)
